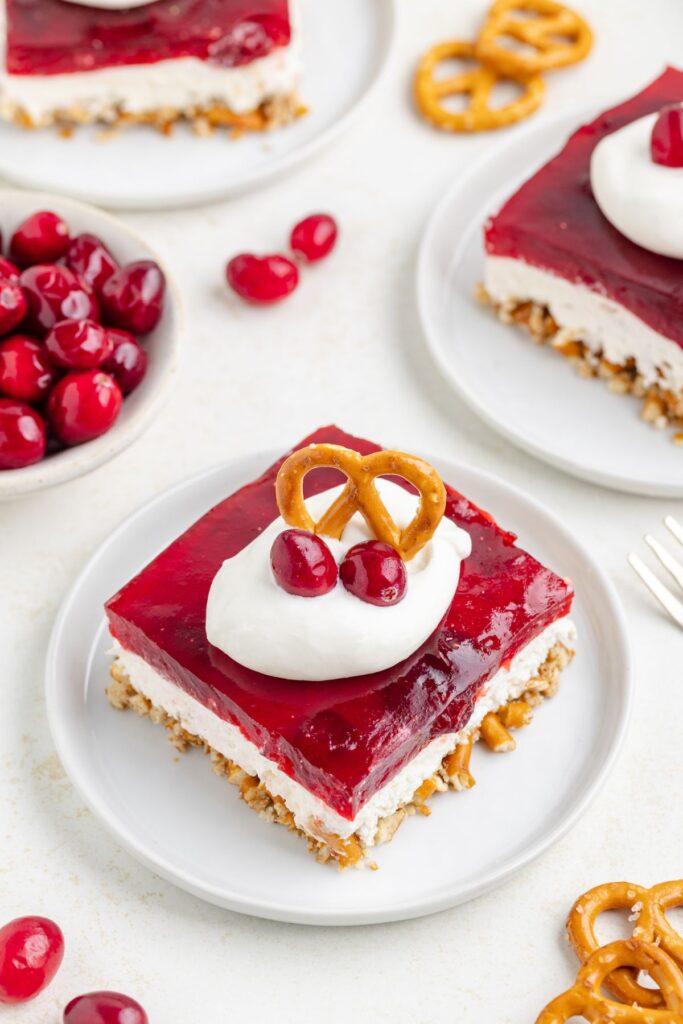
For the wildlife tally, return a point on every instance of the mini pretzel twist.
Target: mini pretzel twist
(478, 84)
(585, 999)
(543, 33)
(651, 926)
(361, 495)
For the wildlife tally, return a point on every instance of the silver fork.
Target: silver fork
(668, 601)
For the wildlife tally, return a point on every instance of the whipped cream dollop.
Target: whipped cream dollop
(641, 199)
(258, 624)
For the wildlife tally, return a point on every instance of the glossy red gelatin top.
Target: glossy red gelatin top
(554, 223)
(48, 37)
(341, 739)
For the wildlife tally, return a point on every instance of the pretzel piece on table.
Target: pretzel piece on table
(556, 36)
(478, 84)
(585, 998)
(651, 925)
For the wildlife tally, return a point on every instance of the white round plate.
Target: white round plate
(527, 393)
(346, 46)
(162, 345)
(131, 777)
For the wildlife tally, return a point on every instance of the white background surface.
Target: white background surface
(347, 347)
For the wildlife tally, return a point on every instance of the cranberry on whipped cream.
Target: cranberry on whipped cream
(638, 187)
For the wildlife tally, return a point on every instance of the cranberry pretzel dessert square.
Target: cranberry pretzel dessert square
(345, 701)
(586, 255)
(233, 63)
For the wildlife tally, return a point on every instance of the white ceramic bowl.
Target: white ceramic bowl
(162, 346)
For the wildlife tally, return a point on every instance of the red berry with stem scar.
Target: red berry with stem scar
(375, 573)
(31, 951)
(666, 142)
(104, 1008)
(303, 564)
(262, 279)
(314, 237)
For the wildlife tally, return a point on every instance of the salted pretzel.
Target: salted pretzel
(557, 36)
(478, 84)
(361, 495)
(585, 998)
(651, 925)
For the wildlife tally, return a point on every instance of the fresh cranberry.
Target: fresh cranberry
(262, 279)
(78, 344)
(128, 361)
(13, 304)
(303, 564)
(8, 269)
(104, 1008)
(90, 258)
(31, 950)
(83, 405)
(56, 293)
(133, 297)
(26, 372)
(314, 237)
(41, 238)
(375, 573)
(666, 141)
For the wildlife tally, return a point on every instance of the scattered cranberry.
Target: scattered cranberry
(83, 406)
(78, 344)
(303, 564)
(375, 573)
(31, 950)
(128, 361)
(26, 372)
(262, 279)
(314, 237)
(56, 293)
(666, 142)
(104, 1008)
(133, 297)
(41, 238)
(13, 304)
(8, 269)
(90, 258)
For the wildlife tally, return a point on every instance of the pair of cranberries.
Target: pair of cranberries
(266, 279)
(31, 953)
(666, 141)
(303, 565)
(69, 321)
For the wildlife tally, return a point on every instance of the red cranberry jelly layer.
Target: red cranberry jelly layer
(554, 223)
(48, 37)
(340, 739)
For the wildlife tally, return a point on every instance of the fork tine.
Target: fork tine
(667, 600)
(671, 565)
(674, 527)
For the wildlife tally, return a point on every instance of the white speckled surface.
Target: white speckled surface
(350, 339)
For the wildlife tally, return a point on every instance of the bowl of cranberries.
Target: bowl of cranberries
(89, 336)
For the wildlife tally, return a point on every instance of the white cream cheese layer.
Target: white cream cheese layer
(311, 814)
(601, 323)
(179, 84)
(336, 635)
(642, 199)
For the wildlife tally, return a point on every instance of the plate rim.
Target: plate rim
(79, 460)
(572, 118)
(279, 166)
(351, 915)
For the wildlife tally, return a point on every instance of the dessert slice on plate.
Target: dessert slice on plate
(587, 254)
(212, 62)
(338, 655)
